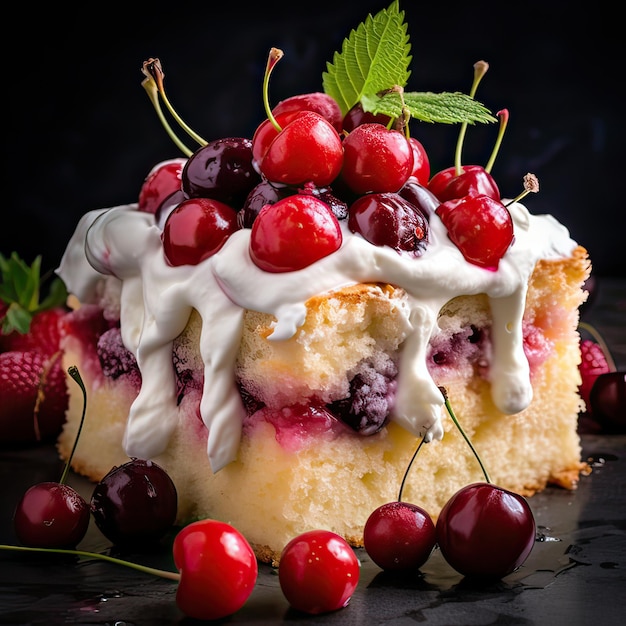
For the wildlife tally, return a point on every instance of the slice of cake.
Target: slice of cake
(291, 397)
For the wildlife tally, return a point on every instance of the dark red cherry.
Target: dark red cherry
(399, 536)
(608, 401)
(473, 180)
(135, 504)
(387, 219)
(420, 196)
(221, 170)
(51, 515)
(357, 116)
(485, 531)
(264, 193)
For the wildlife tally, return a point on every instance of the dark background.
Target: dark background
(80, 132)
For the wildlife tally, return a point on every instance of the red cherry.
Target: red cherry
(218, 569)
(376, 159)
(480, 227)
(51, 515)
(196, 229)
(318, 572)
(266, 132)
(421, 163)
(317, 101)
(357, 116)
(307, 149)
(485, 531)
(473, 180)
(399, 536)
(293, 233)
(163, 181)
(608, 401)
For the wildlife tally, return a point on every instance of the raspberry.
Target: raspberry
(593, 363)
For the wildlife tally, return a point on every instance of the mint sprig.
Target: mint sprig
(373, 58)
(20, 289)
(373, 68)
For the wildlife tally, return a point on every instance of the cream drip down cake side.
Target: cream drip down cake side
(285, 374)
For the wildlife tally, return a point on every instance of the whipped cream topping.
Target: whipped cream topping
(157, 300)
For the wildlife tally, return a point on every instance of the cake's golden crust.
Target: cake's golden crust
(271, 494)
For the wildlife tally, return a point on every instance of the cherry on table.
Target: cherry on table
(318, 572)
(51, 515)
(135, 504)
(218, 569)
(485, 531)
(399, 536)
(608, 401)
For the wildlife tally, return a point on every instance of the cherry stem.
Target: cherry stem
(72, 370)
(480, 69)
(155, 87)
(600, 341)
(275, 55)
(94, 555)
(531, 185)
(504, 120)
(406, 473)
(458, 425)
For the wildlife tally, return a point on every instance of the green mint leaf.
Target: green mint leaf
(444, 108)
(373, 58)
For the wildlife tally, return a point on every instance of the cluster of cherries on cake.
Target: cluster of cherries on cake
(307, 168)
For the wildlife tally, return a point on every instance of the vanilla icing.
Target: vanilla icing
(157, 300)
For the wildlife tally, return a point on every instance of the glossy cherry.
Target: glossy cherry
(318, 572)
(135, 504)
(317, 101)
(218, 569)
(485, 531)
(293, 233)
(51, 515)
(421, 162)
(307, 149)
(161, 184)
(420, 196)
(387, 219)
(196, 229)
(472, 181)
(376, 159)
(222, 170)
(608, 401)
(480, 227)
(399, 536)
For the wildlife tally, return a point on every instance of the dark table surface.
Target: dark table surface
(576, 573)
